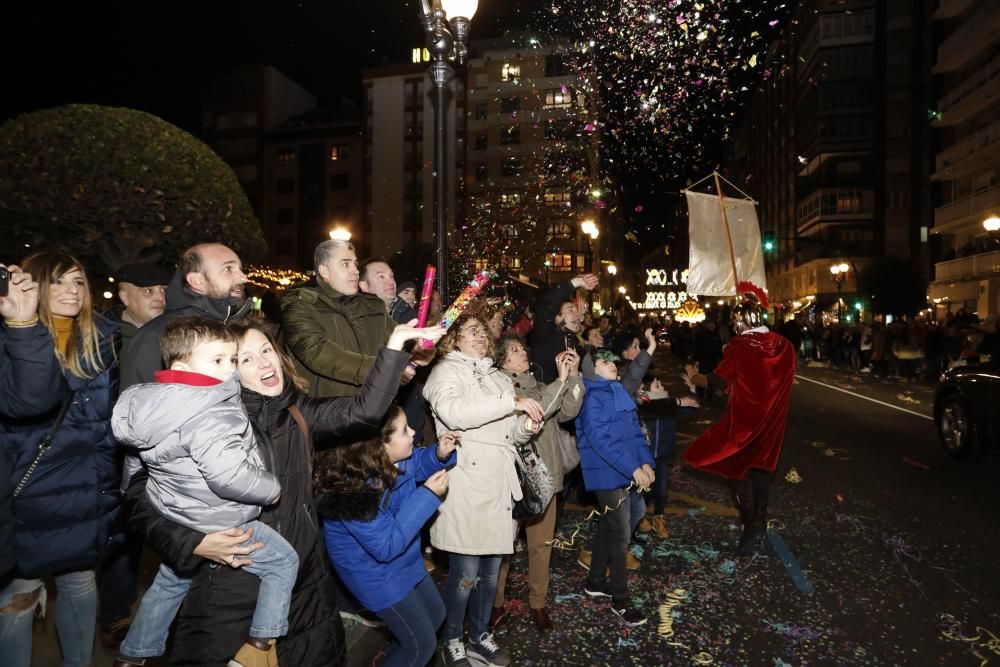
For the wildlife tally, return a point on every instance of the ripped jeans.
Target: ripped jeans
(471, 585)
(76, 617)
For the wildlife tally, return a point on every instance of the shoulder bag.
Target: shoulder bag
(536, 484)
(45, 444)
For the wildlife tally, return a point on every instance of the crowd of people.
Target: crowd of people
(296, 468)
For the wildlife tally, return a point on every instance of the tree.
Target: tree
(115, 186)
(896, 286)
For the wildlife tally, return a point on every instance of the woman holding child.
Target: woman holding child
(215, 618)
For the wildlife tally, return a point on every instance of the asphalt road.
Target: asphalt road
(896, 543)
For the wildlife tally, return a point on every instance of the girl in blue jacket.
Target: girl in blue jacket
(372, 513)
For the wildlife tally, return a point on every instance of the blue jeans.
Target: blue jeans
(76, 618)
(636, 510)
(414, 621)
(472, 577)
(276, 564)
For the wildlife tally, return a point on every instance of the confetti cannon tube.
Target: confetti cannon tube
(425, 296)
(470, 292)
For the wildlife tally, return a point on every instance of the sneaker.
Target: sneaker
(486, 651)
(364, 617)
(584, 559)
(660, 526)
(630, 616)
(598, 590)
(453, 654)
(644, 525)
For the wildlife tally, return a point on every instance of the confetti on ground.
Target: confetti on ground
(793, 476)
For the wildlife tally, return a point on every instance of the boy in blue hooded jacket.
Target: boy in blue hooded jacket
(615, 461)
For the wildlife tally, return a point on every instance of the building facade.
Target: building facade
(967, 159)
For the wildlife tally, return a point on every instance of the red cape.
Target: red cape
(759, 369)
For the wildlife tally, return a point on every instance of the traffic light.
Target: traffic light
(858, 305)
(768, 241)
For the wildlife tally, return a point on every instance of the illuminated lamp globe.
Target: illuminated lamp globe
(992, 223)
(465, 9)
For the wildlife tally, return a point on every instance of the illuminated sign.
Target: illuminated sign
(662, 277)
(420, 56)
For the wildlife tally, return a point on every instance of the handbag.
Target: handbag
(568, 452)
(536, 484)
(45, 444)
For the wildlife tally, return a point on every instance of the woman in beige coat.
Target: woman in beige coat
(469, 395)
(561, 401)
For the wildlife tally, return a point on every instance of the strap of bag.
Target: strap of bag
(44, 445)
(301, 421)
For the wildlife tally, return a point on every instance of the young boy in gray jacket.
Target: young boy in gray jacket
(193, 435)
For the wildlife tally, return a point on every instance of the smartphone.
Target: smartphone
(4, 281)
(570, 340)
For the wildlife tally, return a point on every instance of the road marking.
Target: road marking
(867, 398)
(792, 565)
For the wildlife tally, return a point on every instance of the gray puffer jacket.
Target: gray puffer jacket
(204, 468)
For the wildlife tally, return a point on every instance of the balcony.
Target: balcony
(955, 160)
(971, 96)
(968, 268)
(975, 34)
(835, 205)
(972, 208)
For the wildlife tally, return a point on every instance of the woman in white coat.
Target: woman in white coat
(468, 394)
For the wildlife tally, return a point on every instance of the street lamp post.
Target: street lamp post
(590, 229)
(446, 39)
(839, 272)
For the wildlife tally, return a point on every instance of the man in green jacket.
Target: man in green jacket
(333, 330)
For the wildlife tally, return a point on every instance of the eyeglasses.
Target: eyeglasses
(474, 332)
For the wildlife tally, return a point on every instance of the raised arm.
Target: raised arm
(311, 345)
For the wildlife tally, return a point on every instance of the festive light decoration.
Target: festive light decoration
(690, 311)
(274, 279)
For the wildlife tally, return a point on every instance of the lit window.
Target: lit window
(510, 199)
(561, 262)
(558, 98)
(481, 264)
(510, 72)
(557, 197)
(559, 230)
(286, 155)
(340, 152)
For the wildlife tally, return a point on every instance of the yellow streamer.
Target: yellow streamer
(568, 544)
(666, 629)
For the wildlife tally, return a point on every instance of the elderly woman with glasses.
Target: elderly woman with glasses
(470, 395)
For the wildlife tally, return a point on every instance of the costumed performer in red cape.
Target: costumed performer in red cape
(757, 370)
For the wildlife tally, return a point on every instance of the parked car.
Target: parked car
(967, 409)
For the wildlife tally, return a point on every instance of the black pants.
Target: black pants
(610, 543)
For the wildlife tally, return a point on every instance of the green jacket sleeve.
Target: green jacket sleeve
(314, 349)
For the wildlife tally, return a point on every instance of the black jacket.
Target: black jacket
(141, 358)
(215, 618)
(548, 339)
(32, 385)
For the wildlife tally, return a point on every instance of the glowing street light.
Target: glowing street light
(340, 234)
(612, 269)
(839, 272)
(992, 223)
(621, 289)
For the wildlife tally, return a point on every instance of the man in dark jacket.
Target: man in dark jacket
(208, 282)
(333, 330)
(142, 290)
(32, 385)
(558, 322)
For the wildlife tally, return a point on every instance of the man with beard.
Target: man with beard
(558, 323)
(209, 282)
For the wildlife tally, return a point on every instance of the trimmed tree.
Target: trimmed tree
(115, 186)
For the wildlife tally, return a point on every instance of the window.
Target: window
(510, 72)
(481, 172)
(284, 247)
(510, 104)
(558, 197)
(561, 262)
(510, 135)
(510, 199)
(558, 98)
(481, 264)
(237, 120)
(286, 155)
(559, 230)
(511, 262)
(482, 109)
(510, 231)
(557, 65)
(899, 199)
(511, 167)
(340, 152)
(560, 130)
(286, 186)
(481, 142)
(340, 182)
(286, 216)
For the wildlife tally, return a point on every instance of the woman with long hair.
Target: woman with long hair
(372, 512)
(288, 426)
(66, 471)
(468, 394)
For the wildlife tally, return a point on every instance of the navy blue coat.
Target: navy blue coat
(374, 541)
(32, 385)
(68, 511)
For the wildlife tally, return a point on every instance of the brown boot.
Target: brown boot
(584, 559)
(255, 654)
(631, 562)
(644, 525)
(429, 565)
(660, 526)
(542, 620)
